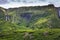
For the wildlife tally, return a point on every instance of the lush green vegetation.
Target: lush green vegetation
(29, 23)
(42, 34)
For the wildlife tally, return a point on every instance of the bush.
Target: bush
(42, 34)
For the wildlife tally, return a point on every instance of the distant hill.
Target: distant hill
(33, 17)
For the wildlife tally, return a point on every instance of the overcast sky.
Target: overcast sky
(19, 3)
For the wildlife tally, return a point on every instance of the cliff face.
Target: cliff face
(38, 16)
(58, 11)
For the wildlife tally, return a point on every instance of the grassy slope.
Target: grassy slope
(41, 20)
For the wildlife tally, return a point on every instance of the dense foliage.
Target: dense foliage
(42, 34)
(29, 23)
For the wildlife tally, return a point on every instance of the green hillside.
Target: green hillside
(41, 21)
(32, 17)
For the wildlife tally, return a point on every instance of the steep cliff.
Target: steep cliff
(32, 17)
